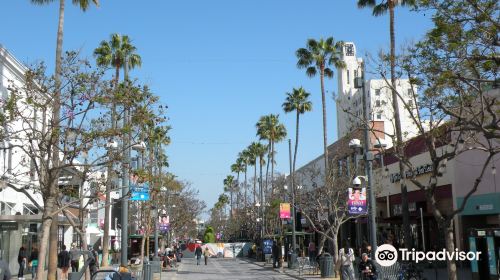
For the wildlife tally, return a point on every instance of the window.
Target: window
(377, 103)
(410, 103)
(347, 71)
(410, 92)
(377, 92)
(60, 237)
(379, 116)
(355, 73)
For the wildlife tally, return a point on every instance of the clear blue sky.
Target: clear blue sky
(219, 65)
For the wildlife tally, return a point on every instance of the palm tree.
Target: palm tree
(229, 187)
(269, 128)
(49, 204)
(238, 168)
(260, 151)
(378, 10)
(116, 53)
(317, 57)
(252, 153)
(298, 101)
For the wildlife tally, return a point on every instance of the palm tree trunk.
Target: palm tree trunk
(325, 139)
(56, 106)
(255, 182)
(399, 137)
(245, 187)
(107, 207)
(260, 193)
(295, 152)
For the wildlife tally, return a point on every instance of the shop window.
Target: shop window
(60, 238)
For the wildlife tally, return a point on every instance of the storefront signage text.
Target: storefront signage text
(427, 168)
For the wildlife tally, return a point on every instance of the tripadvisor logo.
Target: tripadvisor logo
(387, 255)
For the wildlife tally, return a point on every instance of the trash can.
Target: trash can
(326, 265)
(146, 272)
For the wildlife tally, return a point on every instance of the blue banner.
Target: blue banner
(267, 245)
(140, 192)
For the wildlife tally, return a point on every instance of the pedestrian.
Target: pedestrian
(206, 254)
(4, 270)
(21, 259)
(366, 268)
(93, 260)
(198, 252)
(33, 262)
(275, 252)
(311, 249)
(346, 256)
(75, 258)
(63, 262)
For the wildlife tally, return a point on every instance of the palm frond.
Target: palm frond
(366, 3)
(41, 2)
(328, 72)
(311, 71)
(380, 9)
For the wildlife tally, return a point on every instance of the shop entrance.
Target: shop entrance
(486, 241)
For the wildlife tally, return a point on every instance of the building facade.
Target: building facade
(349, 99)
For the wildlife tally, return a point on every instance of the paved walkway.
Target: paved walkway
(224, 269)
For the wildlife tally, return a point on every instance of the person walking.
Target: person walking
(21, 259)
(311, 249)
(206, 254)
(367, 269)
(346, 256)
(75, 258)
(275, 252)
(63, 262)
(33, 262)
(198, 252)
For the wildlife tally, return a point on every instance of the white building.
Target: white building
(19, 215)
(350, 99)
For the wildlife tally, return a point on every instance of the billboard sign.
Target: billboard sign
(356, 203)
(285, 211)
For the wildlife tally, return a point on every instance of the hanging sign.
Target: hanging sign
(356, 203)
(284, 210)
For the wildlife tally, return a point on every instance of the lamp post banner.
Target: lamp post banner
(285, 211)
(139, 191)
(356, 203)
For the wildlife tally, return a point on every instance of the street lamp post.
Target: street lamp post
(293, 255)
(368, 157)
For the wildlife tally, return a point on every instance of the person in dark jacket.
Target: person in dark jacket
(367, 269)
(21, 259)
(63, 262)
(198, 252)
(276, 254)
(33, 262)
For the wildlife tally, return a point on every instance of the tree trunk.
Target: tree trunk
(53, 177)
(399, 135)
(321, 244)
(44, 240)
(143, 241)
(53, 246)
(255, 183)
(107, 219)
(245, 187)
(450, 247)
(325, 138)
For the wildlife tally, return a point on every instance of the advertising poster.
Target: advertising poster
(284, 210)
(164, 224)
(356, 203)
(139, 191)
(267, 246)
